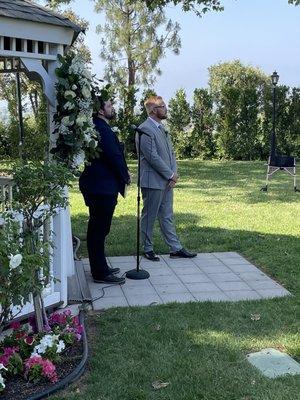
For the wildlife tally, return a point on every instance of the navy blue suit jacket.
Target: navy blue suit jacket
(107, 174)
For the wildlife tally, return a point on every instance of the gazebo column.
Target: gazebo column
(63, 259)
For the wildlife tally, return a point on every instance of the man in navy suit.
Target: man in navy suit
(100, 183)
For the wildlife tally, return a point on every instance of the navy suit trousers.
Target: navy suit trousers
(101, 209)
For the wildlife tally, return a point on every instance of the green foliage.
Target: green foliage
(200, 7)
(132, 47)
(39, 194)
(34, 119)
(203, 120)
(37, 183)
(237, 92)
(15, 283)
(178, 120)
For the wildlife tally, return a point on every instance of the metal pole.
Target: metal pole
(273, 141)
(138, 210)
(20, 112)
(138, 273)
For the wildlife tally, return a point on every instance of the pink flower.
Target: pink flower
(48, 368)
(29, 340)
(8, 352)
(15, 325)
(49, 371)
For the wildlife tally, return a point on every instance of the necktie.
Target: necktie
(161, 127)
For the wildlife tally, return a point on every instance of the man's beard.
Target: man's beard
(111, 116)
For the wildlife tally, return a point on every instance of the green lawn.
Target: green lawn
(200, 348)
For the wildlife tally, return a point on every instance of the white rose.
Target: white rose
(69, 106)
(81, 120)
(2, 367)
(86, 92)
(74, 87)
(15, 261)
(70, 93)
(79, 159)
(66, 121)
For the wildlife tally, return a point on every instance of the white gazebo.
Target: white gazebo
(31, 38)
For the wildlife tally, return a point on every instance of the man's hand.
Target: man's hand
(174, 177)
(172, 184)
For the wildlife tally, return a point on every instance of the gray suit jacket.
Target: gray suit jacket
(158, 161)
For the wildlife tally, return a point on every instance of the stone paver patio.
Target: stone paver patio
(220, 276)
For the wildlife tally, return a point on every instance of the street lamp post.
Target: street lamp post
(275, 79)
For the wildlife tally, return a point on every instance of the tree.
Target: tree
(132, 47)
(237, 91)
(131, 44)
(178, 121)
(203, 120)
(287, 120)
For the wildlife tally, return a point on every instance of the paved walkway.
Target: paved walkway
(210, 276)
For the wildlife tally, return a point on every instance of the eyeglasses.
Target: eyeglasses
(160, 106)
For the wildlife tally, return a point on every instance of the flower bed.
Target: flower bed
(30, 361)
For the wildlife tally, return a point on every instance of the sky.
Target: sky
(262, 33)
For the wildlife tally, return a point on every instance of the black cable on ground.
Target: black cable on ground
(103, 290)
(74, 375)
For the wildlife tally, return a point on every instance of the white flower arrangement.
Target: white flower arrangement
(75, 138)
(47, 342)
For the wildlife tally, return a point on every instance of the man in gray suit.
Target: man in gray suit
(158, 178)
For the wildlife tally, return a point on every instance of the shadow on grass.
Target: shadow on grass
(278, 255)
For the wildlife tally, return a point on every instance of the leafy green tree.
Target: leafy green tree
(203, 120)
(287, 120)
(132, 46)
(294, 129)
(237, 91)
(178, 123)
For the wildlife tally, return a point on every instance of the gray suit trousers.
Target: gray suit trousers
(158, 204)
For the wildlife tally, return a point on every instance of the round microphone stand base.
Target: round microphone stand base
(137, 275)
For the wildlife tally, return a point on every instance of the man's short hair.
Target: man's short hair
(99, 103)
(152, 102)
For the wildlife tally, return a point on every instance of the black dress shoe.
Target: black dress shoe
(183, 253)
(113, 270)
(110, 279)
(150, 255)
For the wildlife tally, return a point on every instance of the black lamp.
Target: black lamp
(275, 78)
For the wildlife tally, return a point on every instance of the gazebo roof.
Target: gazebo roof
(29, 11)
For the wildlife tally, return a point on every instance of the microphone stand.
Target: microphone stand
(138, 273)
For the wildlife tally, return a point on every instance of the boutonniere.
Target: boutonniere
(115, 129)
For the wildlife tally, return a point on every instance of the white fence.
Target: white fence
(61, 259)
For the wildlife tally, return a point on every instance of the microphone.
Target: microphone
(139, 131)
